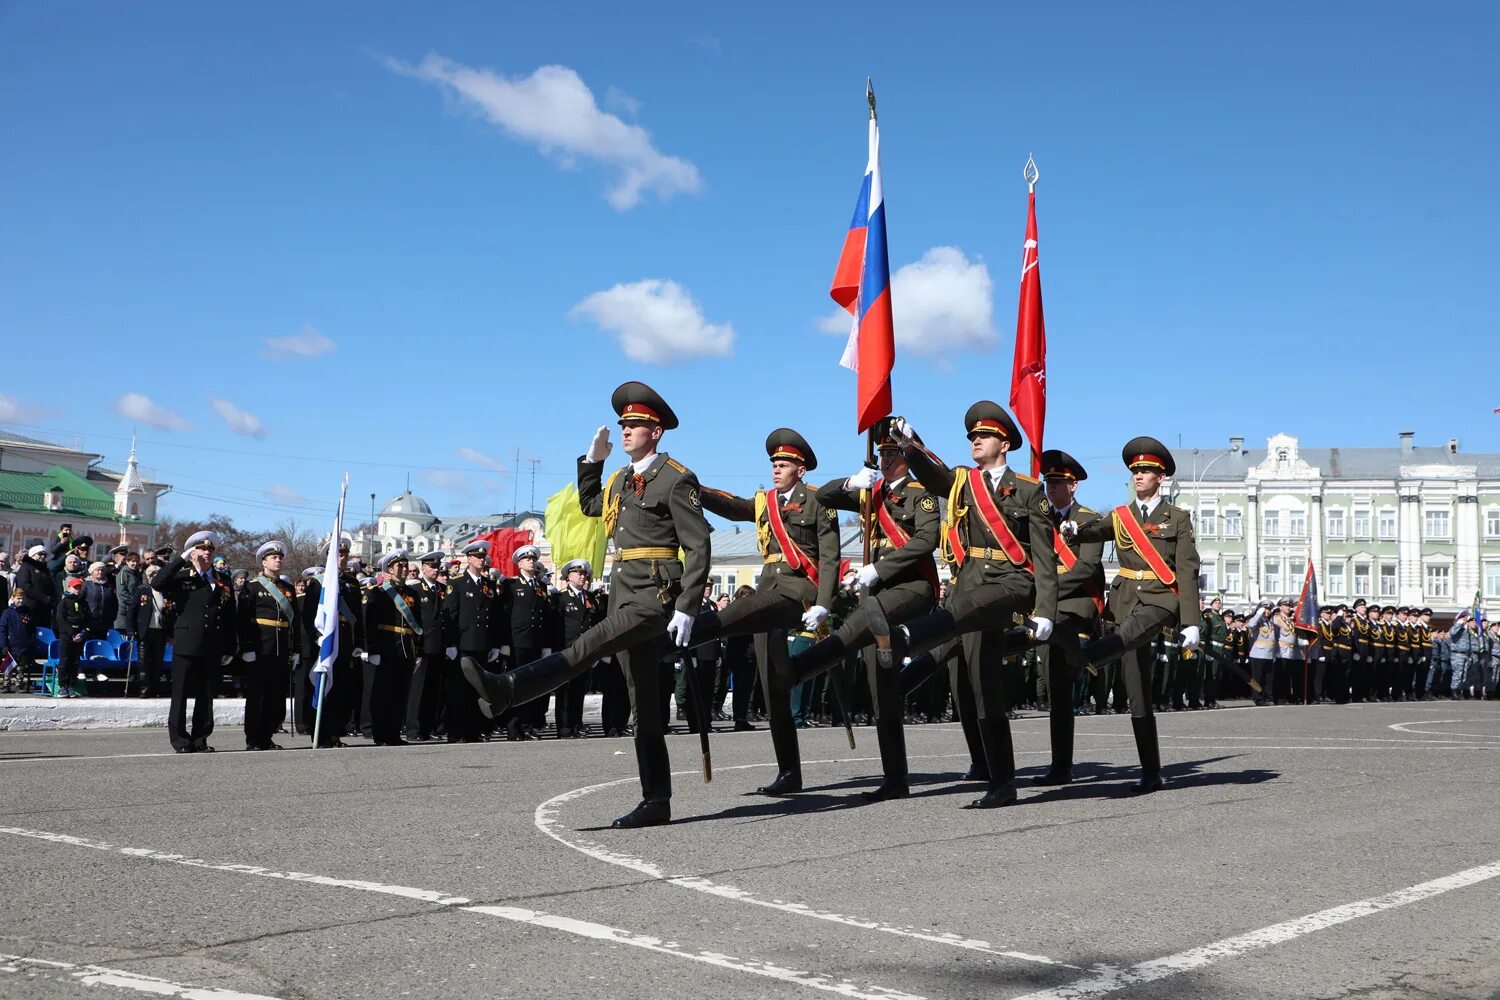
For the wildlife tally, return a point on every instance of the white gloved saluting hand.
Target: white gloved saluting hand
(680, 629)
(861, 480)
(599, 448)
(903, 432)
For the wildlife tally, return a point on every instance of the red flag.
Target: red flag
(1028, 377)
(503, 543)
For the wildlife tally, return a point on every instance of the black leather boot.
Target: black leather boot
(815, 659)
(1146, 745)
(651, 812)
(997, 797)
(892, 761)
(786, 783)
(930, 630)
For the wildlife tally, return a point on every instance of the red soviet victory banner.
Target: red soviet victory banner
(1028, 378)
(503, 543)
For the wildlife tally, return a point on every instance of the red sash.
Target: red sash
(897, 535)
(1067, 558)
(1125, 516)
(795, 557)
(985, 503)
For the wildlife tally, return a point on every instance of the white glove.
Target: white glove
(504, 651)
(374, 659)
(451, 652)
(1190, 637)
(1042, 630)
(861, 480)
(599, 448)
(546, 650)
(1068, 529)
(224, 661)
(867, 575)
(494, 655)
(249, 656)
(814, 617)
(680, 629)
(903, 432)
(360, 654)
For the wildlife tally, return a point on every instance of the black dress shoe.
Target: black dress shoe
(202, 748)
(1147, 784)
(186, 749)
(253, 746)
(887, 790)
(977, 773)
(273, 746)
(398, 742)
(786, 783)
(741, 726)
(995, 798)
(1053, 778)
(651, 812)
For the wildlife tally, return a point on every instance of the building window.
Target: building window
(1232, 524)
(1387, 523)
(1337, 577)
(1335, 524)
(1492, 523)
(1208, 522)
(1435, 525)
(1387, 579)
(1270, 523)
(1232, 576)
(1361, 524)
(1298, 528)
(1271, 577)
(1491, 580)
(1208, 581)
(1362, 580)
(1438, 582)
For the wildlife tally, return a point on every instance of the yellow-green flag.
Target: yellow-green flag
(573, 534)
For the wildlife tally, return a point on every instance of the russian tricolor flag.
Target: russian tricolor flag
(862, 285)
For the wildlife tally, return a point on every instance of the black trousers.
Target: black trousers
(339, 701)
(425, 698)
(568, 706)
(534, 714)
(614, 710)
(265, 698)
(463, 722)
(1263, 672)
(193, 677)
(153, 647)
(739, 664)
(390, 684)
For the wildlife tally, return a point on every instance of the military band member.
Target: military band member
(526, 615)
(203, 638)
(1215, 649)
(575, 611)
(799, 541)
(999, 533)
(269, 642)
(653, 512)
(425, 701)
(901, 579)
(394, 628)
(1080, 602)
(1157, 585)
(1362, 635)
(473, 612)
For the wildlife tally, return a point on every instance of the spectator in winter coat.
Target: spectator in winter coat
(102, 603)
(17, 633)
(35, 579)
(71, 622)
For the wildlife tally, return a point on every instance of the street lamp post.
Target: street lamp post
(370, 542)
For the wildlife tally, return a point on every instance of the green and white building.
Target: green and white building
(1408, 525)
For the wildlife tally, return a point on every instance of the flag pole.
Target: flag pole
(865, 516)
(1031, 175)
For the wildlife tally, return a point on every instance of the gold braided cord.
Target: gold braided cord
(956, 513)
(612, 504)
(762, 522)
(1122, 537)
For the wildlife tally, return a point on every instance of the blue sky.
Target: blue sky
(473, 223)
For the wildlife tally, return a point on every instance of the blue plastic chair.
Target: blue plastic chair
(50, 665)
(115, 638)
(99, 649)
(44, 638)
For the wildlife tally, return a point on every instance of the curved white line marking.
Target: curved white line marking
(1401, 727)
(547, 822)
(97, 975)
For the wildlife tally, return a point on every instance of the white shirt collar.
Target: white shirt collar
(641, 466)
(1062, 512)
(1150, 505)
(895, 484)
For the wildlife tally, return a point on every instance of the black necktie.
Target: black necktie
(1144, 515)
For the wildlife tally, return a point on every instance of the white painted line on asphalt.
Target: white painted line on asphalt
(1109, 980)
(95, 975)
(1482, 740)
(547, 822)
(535, 918)
(1401, 727)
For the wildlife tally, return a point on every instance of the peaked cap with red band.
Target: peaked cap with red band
(1148, 453)
(1060, 465)
(637, 402)
(986, 417)
(786, 443)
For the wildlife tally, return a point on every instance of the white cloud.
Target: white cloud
(481, 459)
(282, 493)
(239, 421)
(617, 100)
(139, 409)
(309, 342)
(13, 411)
(656, 321)
(554, 110)
(941, 305)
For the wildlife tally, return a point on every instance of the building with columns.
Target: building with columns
(408, 522)
(1407, 525)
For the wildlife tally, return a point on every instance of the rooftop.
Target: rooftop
(1285, 458)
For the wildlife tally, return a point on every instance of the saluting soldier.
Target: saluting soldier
(999, 534)
(575, 611)
(1080, 602)
(526, 614)
(901, 578)
(474, 613)
(425, 701)
(799, 541)
(1156, 586)
(653, 511)
(203, 638)
(268, 644)
(395, 634)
